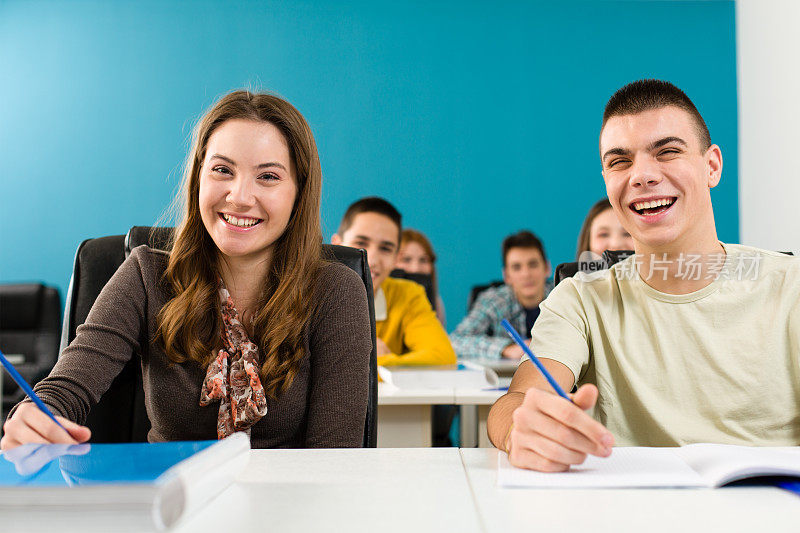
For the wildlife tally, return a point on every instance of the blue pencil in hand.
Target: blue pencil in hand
(535, 360)
(28, 390)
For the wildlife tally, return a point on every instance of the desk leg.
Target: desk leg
(469, 426)
(404, 426)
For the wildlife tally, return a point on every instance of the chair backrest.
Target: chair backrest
(356, 259)
(425, 280)
(478, 289)
(30, 321)
(116, 417)
(610, 258)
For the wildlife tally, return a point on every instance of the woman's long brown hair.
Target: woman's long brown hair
(586, 230)
(189, 325)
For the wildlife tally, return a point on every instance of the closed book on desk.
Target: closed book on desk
(692, 466)
(462, 376)
(159, 481)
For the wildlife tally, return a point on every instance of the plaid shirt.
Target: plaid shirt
(480, 335)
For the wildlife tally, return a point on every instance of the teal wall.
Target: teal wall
(476, 119)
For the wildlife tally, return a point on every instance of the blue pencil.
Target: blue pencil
(514, 335)
(28, 390)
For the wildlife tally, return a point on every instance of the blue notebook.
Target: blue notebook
(163, 480)
(60, 465)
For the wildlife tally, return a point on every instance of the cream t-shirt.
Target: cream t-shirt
(718, 365)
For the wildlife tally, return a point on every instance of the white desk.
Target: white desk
(504, 367)
(435, 490)
(475, 406)
(736, 509)
(356, 490)
(404, 416)
(403, 490)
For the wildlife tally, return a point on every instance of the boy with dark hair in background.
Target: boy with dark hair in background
(525, 273)
(407, 330)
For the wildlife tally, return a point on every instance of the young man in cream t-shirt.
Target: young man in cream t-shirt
(690, 340)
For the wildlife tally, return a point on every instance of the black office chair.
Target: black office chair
(119, 416)
(161, 238)
(423, 279)
(478, 289)
(30, 320)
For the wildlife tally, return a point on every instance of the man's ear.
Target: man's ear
(549, 269)
(505, 278)
(335, 239)
(714, 164)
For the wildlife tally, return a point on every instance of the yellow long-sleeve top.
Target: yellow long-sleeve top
(411, 330)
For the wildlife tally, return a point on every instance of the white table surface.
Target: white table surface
(751, 509)
(350, 490)
(385, 490)
(391, 395)
(501, 366)
(402, 423)
(435, 490)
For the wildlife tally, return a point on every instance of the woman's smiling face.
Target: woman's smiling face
(248, 188)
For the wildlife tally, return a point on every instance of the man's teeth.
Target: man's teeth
(653, 204)
(241, 222)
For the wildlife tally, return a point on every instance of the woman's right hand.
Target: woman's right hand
(30, 425)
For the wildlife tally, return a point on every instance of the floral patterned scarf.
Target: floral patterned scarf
(232, 376)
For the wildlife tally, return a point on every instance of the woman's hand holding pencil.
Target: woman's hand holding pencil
(30, 425)
(34, 423)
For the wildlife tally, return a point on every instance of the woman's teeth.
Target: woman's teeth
(240, 222)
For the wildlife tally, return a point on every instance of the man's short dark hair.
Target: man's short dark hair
(646, 95)
(522, 239)
(371, 204)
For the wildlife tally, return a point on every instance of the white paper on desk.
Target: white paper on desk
(464, 375)
(625, 468)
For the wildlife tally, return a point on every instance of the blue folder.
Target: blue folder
(156, 483)
(56, 465)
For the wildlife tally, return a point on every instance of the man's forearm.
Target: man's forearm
(499, 421)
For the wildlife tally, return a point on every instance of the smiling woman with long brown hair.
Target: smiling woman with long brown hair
(243, 326)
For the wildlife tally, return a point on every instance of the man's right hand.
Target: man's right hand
(549, 433)
(30, 425)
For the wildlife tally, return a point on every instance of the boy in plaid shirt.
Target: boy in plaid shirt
(525, 273)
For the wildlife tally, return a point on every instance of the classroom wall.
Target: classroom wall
(476, 119)
(769, 114)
